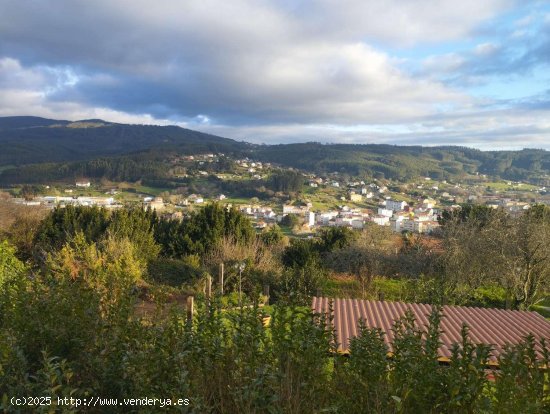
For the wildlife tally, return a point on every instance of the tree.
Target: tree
(110, 268)
(137, 225)
(19, 224)
(12, 278)
(28, 192)
(202, 230)
(299, 283)
(300, 253)
(211, 224)
(272, 236)
(364, 257)
(64, 223)
(336, 238)
(478, 214)
(525, 256)
(290, 220)
(511, 252)
(286, 181)
(10, 265)
(362, 263)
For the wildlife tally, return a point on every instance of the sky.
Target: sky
(409, 72)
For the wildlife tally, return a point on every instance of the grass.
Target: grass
(15, 190)
(236, 200)
(324, 198)
(504, 186)
(344, 286)
(544, 311)
(287, 231)
(341, 287)
(542, 307)
(392, 289)
(152, 191)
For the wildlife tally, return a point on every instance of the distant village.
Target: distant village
(415, 208)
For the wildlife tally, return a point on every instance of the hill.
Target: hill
(405, 162)
(30, 140)
(100, 148)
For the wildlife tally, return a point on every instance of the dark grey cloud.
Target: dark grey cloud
(236, 62)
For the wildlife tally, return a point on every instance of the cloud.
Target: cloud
(27, 91)
(280, 70)
(242, 60)
(510, 129)
(514, 53)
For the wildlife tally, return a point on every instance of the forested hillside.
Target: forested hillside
(403, 162)
(128, 152)
(29, 140)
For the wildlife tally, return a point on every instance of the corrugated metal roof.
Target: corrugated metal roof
(496, 327)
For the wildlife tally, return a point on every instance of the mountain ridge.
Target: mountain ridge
(34, 140)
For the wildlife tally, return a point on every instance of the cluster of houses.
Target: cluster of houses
(357, 190)
(261, 215)
(251, 166)
(158, 203)
(396, 214)
(418, 217)
(199, 157)
(58, 201)
(510, 205)
(402, 217)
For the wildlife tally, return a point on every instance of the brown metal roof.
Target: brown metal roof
(496, 327)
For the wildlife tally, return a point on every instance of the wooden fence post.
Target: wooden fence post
(221, 279)
(266, 293)
(208, 288)
(190, 309)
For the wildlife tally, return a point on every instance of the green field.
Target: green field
(504, 186)
(153, 191)
(236, 200)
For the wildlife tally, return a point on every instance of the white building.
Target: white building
(83, 183)
(357, 223)
(156, 204)
(310, 218)
(381, 220)
(395, 205)
(289, 209)
(385, 212)
(323, 219)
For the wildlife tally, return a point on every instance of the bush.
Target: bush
(173, 272)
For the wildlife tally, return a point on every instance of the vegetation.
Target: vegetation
(42, 150)
(403, 163)
(491, 246)
(74, 334)
(287, 181)
(91, 304)
(30, 140)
